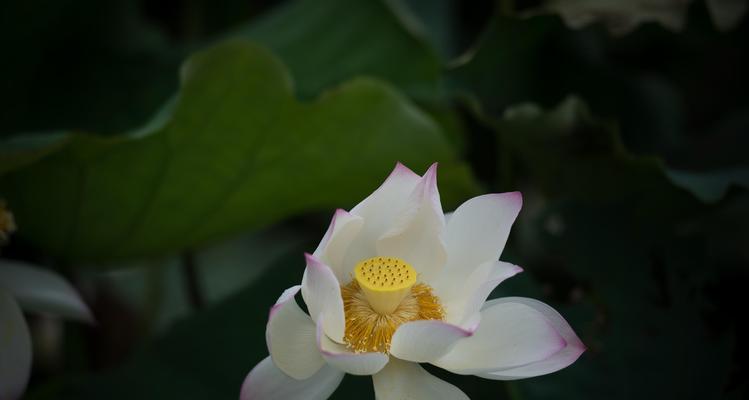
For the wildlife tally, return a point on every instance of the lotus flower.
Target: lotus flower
(394, 283)
(37, 290)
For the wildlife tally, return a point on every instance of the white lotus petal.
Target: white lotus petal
(322, 294)
(426, 340)
(15, 349)
(340, 357)
(41, 290)
(378, 211)
(406, 380)
(510, 335)
(477, 233)
(267, 382)
(557, 361)
(464, 306)
(332, 248)
(416, 235)
(291, 338)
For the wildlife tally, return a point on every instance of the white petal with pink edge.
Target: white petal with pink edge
(378, 211)
(477, 233)
(15, 347)
(344, 227)
(322, 294)
(291, 338)
(509, 335)
(267, 382)
(407, 380)
(557, 361)
(417, 233)
(463, 307)
(340, 357)
(426, 341)
(40, 290)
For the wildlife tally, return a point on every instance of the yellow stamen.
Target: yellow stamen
(370, 330)
(385, 281)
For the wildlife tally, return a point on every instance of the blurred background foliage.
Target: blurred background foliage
(174, 159)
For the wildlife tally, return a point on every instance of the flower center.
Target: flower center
(385, 281)
(382, 296)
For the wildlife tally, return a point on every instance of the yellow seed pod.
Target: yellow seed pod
(385, 281)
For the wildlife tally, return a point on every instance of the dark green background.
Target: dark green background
(175, 159)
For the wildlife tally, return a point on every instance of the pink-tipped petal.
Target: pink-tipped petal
(426, 340)
(510, 335)
(267, 382)
(464, 305)
(291, 338)
(287, 295)
(322, 294)
(15, 349)
(407, 380)
(477, 233)
(340, 357)
(344, 227)
(557, 361)
(40, 290)
(416, 234)
(378, 211)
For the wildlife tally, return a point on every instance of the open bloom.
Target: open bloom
(394, 283)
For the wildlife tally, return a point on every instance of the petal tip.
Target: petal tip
(401, 169)
(315, 264)
(512, 199)
(312, 261)
(288, 294)
(517, 196)
(430, 176)
(577, 344)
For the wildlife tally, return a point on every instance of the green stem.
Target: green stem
(513, 391)
(192, 280)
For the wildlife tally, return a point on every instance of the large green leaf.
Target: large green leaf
(101, 66)
(327, 41)
(569, 153)
(596, 164)
(507, 65)
(236, 150)
(608, 234)
(635, 302)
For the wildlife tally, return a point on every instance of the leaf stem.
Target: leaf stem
(513, 392)
(192, 280)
